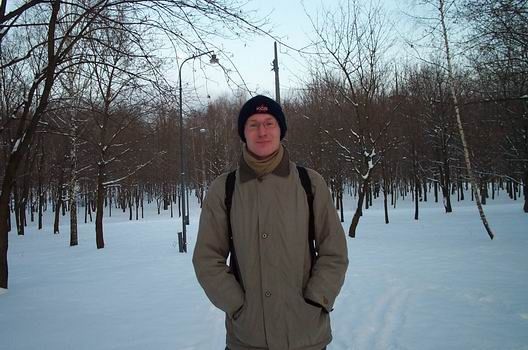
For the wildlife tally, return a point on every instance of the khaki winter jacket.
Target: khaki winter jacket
(269, 218)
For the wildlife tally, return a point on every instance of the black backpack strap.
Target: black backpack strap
(229, 189)
(307, 185)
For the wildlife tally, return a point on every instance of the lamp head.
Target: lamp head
(213, 59)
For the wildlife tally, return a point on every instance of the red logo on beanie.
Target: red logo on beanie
(262, 109)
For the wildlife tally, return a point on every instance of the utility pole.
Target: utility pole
(276, 70)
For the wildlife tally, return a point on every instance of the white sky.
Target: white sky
(253, 58)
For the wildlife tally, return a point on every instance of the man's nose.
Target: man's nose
(262, 129)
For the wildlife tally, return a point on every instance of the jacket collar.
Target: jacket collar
(282, 170)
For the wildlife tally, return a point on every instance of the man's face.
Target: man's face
(262, 134)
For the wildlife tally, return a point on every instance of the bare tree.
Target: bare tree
(353, 41)
(499, 56)
(451, 81)
(428, 92)
(37, 38)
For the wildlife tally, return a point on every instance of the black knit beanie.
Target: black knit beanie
(261, 104)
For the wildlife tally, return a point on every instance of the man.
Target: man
(277, 295)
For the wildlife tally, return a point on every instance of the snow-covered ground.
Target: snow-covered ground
(436, 283)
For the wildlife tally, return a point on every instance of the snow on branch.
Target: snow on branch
(138, 168)
(17, 143)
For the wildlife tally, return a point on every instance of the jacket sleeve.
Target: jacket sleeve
(328, 274)
(211, 251)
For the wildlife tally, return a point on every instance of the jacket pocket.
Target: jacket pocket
(246, 326)
(237, 313)
(307, 323)
(240, 326)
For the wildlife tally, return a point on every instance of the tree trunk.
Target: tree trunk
(4, 228)
(40, 194)
(9, 220)
(179, 205)
(59, 202)
(366, 199)
(109, 202)
(394, 194)
(22, 216)
(40, 204)
(24, 138)
(385, 206)
(32, 206)
(166, 197)
(385, 182)
(359, 211)
(416, 188)
(459, 120)
(447, 195)
(7, 184)
(63, 207)
(57, 213)
(370, 197)
(72, 193)
(525, 190)
(335, 196)
(172, 209)
(86, 207)
(444, 185)
(493, 189)
(100, 207)
(136, 192)
(90, 211)
(16, 200)
(130, 205)
(202, 194)
(74, 240)
(125, 200)
(416, 182)
(341, 206)
(483, 191)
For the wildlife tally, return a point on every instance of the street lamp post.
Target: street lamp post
(202, 178)
(202, 132)
(185, 217)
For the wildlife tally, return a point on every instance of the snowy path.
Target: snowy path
(384, 319)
